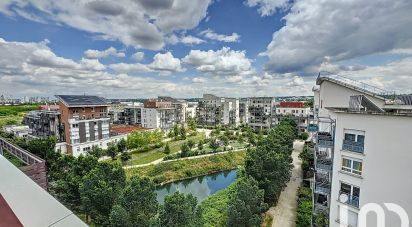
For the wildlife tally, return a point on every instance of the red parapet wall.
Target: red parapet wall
(38, 173)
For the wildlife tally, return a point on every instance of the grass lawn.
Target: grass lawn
(181, 169)
(13, 115)
(150, 156)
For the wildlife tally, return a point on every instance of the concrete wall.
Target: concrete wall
(387, 167)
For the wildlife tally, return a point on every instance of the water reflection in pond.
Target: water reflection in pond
(200, 187)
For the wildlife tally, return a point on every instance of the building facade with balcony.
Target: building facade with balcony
(213, 110)
(85, 123)
(295, 111)
(261, 113)
(361, 152)
(158, 114)
(44, 123)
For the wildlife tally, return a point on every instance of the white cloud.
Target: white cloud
(138, 23)
(164, 64)
(210, 34)
(111, 51)
(268, 7)
(224, 62)
(138, 56)
(335, 30)
(188, 40)
(199, 80)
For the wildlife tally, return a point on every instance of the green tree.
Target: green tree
(304, 214)
(96, 151)
(304, 136)
(111, 150)
(246, 204)
(176, 131)
(191, 144)
(119, 217)
(192, 124)
(179, 210)
(138, 199)
(213, 144)
(185, 150)
(182, 132)
(121, 145)
(167, 149)
(125, 156)
(200, 145)
(99, 190)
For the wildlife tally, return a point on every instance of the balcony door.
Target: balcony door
(352, 192)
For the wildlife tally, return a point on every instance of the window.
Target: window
(352, 166)
(83, 109)
(350, 137)
(352, 192)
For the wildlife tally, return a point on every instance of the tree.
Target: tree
(179, 210)
(112, 150)
(119, 217)
(191, 144)
(185, 149)
(225, 140)
(167, 149)
(96, 151)
(182, 132)
(125, 156)
(213, 144)
(176, 131)
(138, 199)
(99, 190)
(121, 145)
(192, 124)
(200, 145)
(304, 136)
(246, 204)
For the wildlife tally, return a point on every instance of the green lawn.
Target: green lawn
(13, 115)
(181, 169)
(150, 156)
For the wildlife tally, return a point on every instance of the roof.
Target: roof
(123, 129)
(405, 99)
(292, 105)
(82, 100)
(30, 203)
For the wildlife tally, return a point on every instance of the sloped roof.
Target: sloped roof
(82, 100)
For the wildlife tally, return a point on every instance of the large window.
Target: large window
(352, 166)
(352, 192)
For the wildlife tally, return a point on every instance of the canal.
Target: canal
(201, 187)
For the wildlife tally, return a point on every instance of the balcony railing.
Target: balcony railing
(354, 146)
(324, 163)
(352, 200)
(322, 187)
(321, 208)
(325, 140)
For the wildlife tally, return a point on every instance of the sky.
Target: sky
(182, 48)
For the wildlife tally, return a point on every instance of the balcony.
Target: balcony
(324, 163)
(353, 146)
(351, 199)
(322, 187)
(321, 208)
(325, 139)
(313, 128)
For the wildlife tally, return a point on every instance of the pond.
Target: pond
(200, 187)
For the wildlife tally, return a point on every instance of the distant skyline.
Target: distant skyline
(180, 48)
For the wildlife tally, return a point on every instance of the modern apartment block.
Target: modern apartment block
(261, 112)
(296, 111)
(213, 110)
(362, 152)
(85, 123)
(179, 106)
(157, 114)
(244, 111)
(44, 123)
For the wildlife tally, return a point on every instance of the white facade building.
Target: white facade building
(261, 111)
(214, 110)
(362, 153)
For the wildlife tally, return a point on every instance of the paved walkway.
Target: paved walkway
(284, 214)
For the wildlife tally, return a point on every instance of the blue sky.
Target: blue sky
(227, 47)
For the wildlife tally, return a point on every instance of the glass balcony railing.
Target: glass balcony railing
(354, 146)
(322, 187)
(351, 199)
(325, 140)
(324, 164)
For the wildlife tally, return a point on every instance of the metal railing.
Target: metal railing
(322, 187)
(352, 200)
(354, 146)
(325, 140)
(23, 155)
(324, 164)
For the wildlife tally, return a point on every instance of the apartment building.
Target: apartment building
(244, 111)
(44, 123)
(180, 107)
(362, 150)
(21, 131)
(191, 110)
(213, 110)
(158, 114)
(296, 111)
(85, 123)
(261, 113)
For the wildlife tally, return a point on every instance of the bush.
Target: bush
(304, 136)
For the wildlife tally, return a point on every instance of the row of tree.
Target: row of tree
(267, 170)
(141, 139)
